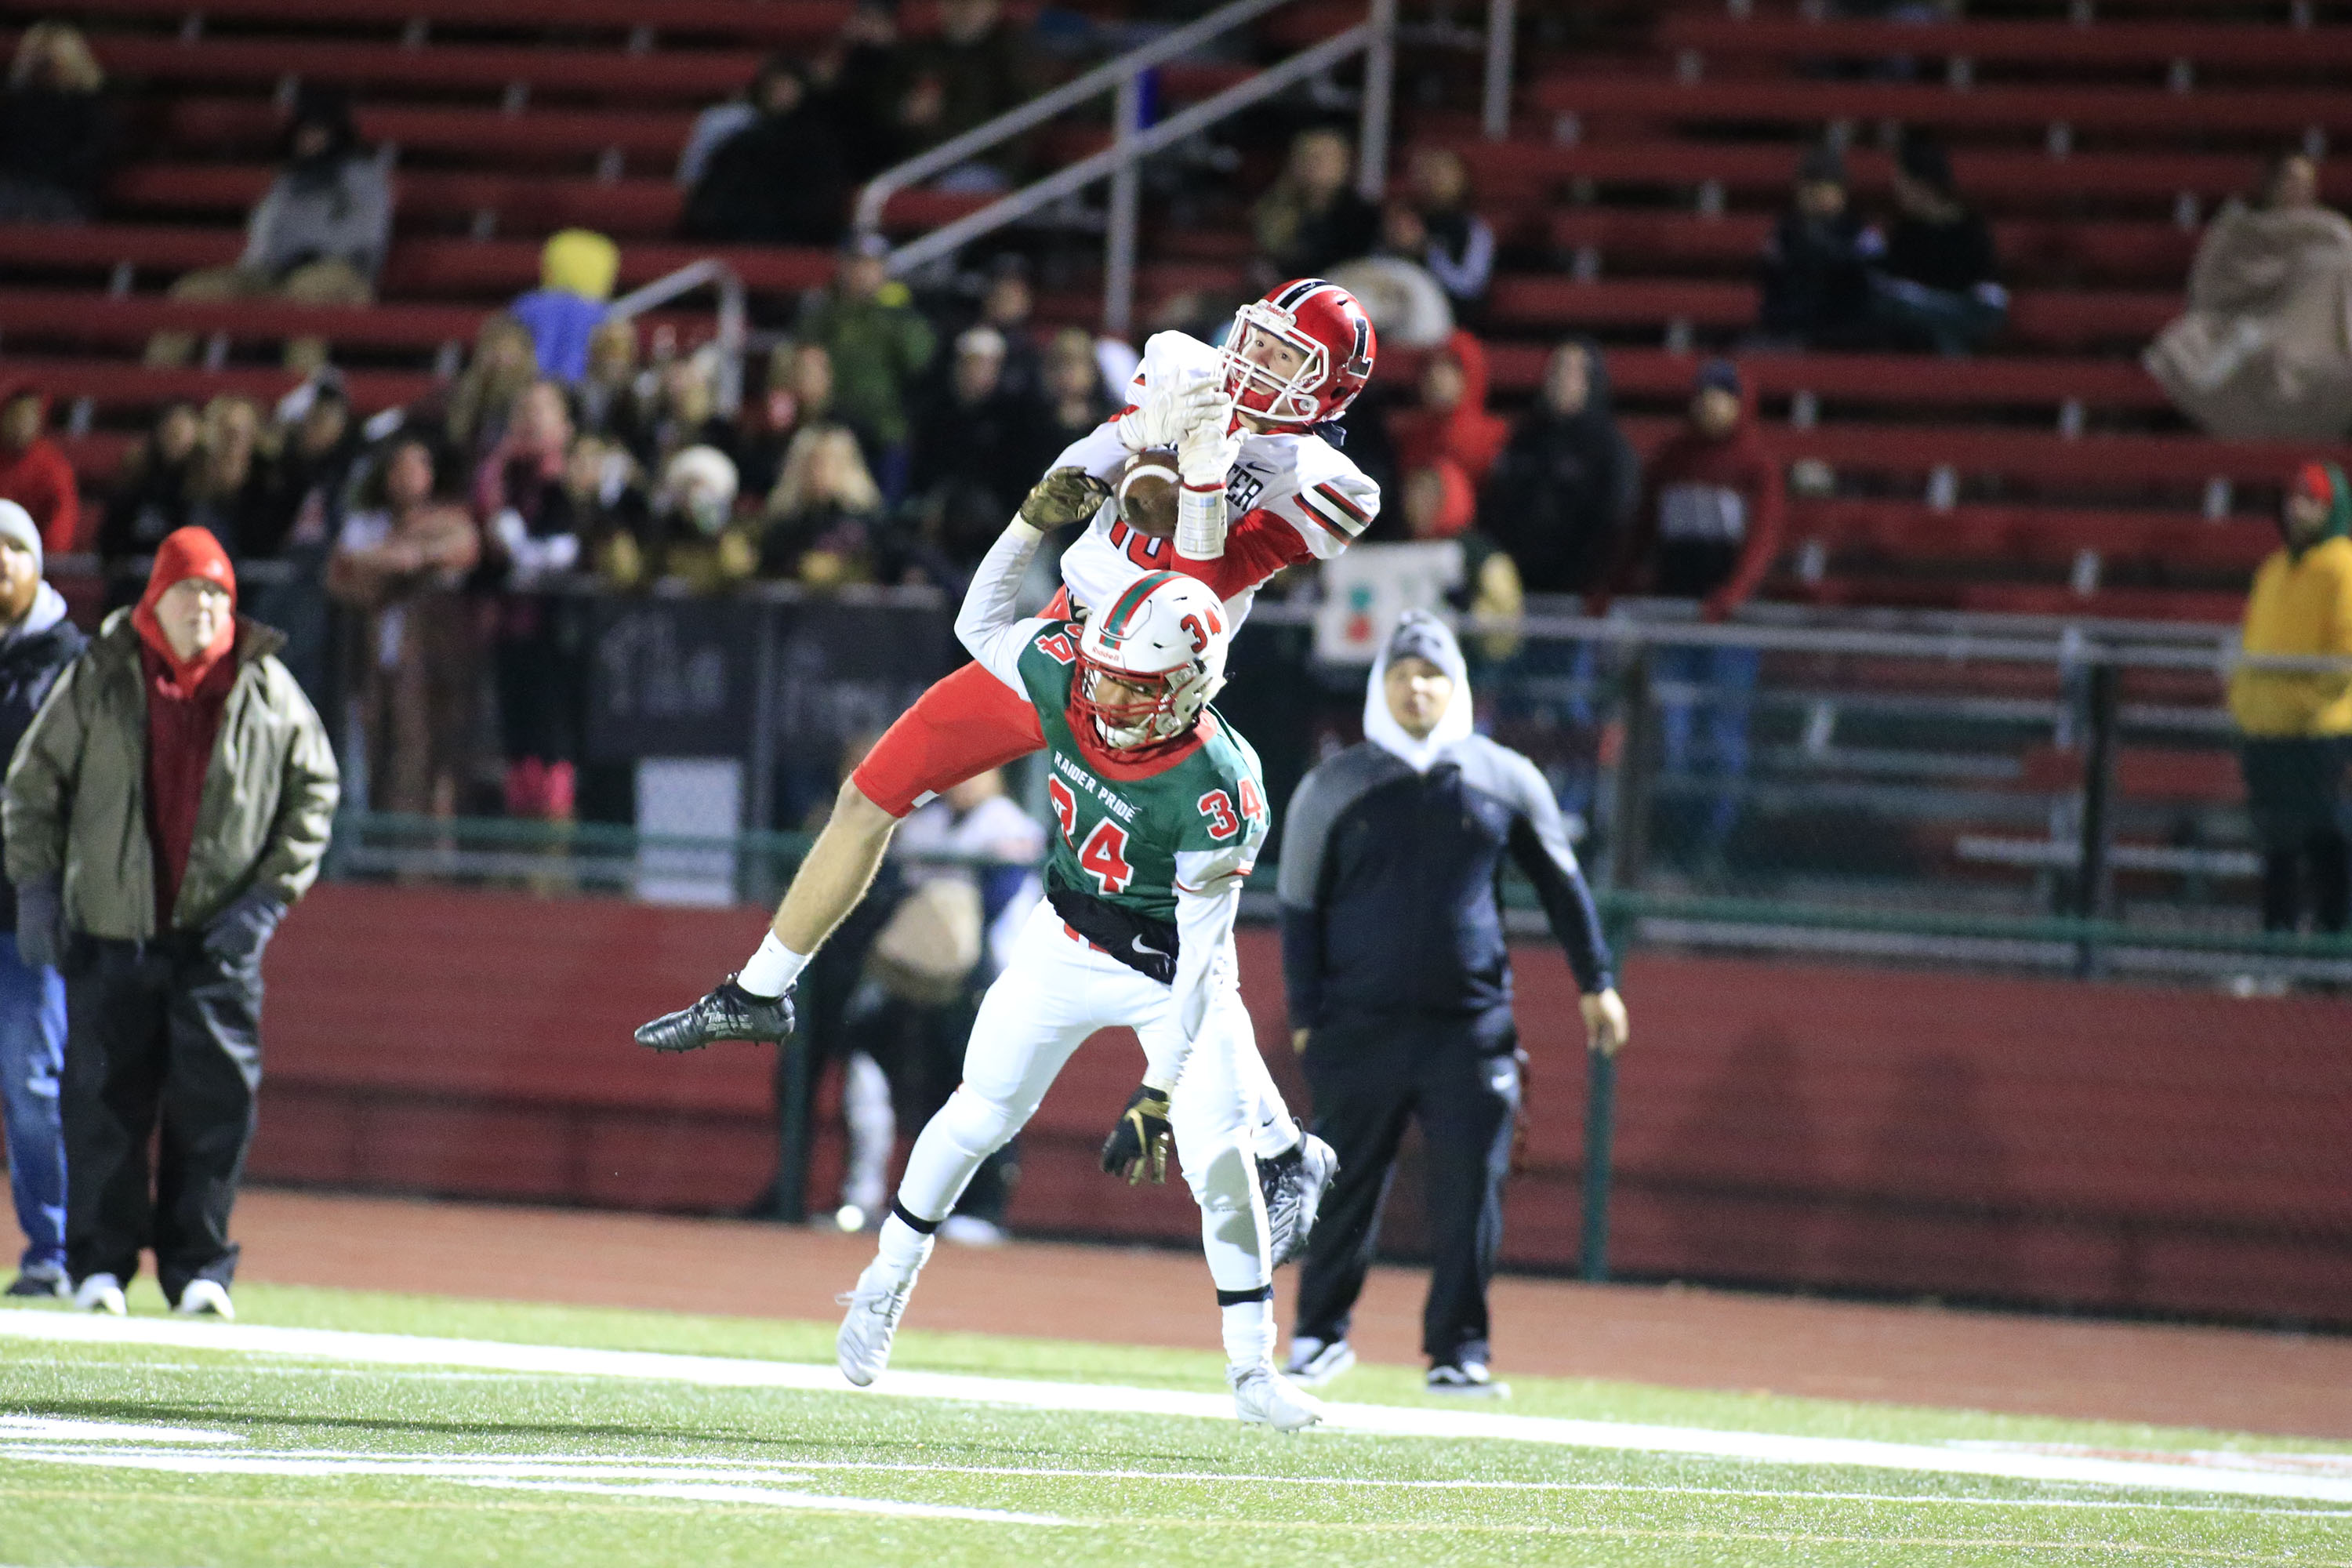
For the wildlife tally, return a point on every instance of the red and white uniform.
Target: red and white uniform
(1294, 496)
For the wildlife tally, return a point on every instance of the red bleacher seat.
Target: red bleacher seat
(2044, 536)
(2044, 318)
(2144, 110)
(2031, 249)
(769, 22)
(2109, 44)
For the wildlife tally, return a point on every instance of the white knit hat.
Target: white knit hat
(17, 523)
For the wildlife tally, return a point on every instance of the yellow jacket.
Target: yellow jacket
(2298, 606)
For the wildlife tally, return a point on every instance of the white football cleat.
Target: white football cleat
(100, 1293)
(862, 1348)
(1263, 1397)
(206, 1299)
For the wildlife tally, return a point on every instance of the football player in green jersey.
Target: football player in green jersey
(1161, 811)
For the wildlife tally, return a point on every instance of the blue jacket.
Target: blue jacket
(31, 659)
(1389, 884)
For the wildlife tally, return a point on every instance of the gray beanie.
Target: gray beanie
(17, 523)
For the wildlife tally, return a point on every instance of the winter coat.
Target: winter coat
(779, 181)
(40, 478)
(2301, 605)
(342, 212)
(1467, 433)
(1708, 524)
(880, 348)
(31, 658)
(1815, 280)
(2265, 350)
(76, 802)
(1560, 496)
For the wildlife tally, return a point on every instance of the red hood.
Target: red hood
(187, 552)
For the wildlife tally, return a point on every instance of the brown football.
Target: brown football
(1147, 489)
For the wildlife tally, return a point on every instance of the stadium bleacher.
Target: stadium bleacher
(1633, 195)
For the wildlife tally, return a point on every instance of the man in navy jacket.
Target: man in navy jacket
(1399, 976)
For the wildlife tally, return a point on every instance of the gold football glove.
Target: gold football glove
(1064, 497)
(1138, 1146)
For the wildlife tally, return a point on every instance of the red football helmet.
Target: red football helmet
(1325, 324)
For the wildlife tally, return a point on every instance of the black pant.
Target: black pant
(2295, 792)
(1460, 1078)
(164, 1031)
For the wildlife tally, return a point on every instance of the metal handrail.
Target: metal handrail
(1037, 111)
(734, 317)
(1372, 37)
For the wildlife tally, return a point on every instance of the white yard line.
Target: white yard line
(724, 1372)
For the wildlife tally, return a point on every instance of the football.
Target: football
(1147, 493)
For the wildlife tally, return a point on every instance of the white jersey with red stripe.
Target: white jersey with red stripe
(1298, 477)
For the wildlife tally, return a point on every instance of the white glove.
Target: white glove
(1205, 455)
(1170, 407)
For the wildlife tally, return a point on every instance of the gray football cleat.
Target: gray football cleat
(729, 1013)
(1263, 1397)
(1293, 1185)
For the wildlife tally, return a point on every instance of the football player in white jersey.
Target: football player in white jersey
(1247, 425)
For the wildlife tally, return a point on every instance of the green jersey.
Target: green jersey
(1131, 834)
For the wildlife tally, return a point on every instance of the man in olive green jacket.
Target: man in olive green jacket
(172, 796)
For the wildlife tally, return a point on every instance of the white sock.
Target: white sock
(903, 1249)
(1249, 1333)
(771, 971)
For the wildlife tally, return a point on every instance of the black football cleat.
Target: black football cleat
(729, 1013)
(1292, 1184)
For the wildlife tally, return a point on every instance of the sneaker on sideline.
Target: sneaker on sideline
(45, 1279)
(1313, 1364)
(1468, 1378)
(100, 1293)
(206, 1299)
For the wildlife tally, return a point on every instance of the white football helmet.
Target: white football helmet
(1163, 640)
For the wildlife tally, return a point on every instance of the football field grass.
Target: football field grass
(322, 1428)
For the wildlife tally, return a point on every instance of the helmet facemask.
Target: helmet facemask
(1125, 721)
(1257, 390)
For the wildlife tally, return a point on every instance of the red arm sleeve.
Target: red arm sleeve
(1763, 546)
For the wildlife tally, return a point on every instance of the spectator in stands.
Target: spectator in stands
(1008, 305)
(400, 564)
(1934, 288)
(779, 179)
(1708, 528)
(172, 798)
(799, 395)
(1436, 227)
(715, 125)
(823, 522)
(610, 509)
(1815, 276)
(576, 270)
(36, 643)
(1561, 494)
(692, 524)
(34, 473)
(318, 238)
(1440, 503)
(2297, 724)
(56, 129)
(228, 495)
(605, 399)
(964, 76)
(1077, 399)
(505, 363)
(530, 538)
(1453, 421)
(151, 498)
(303, 490)
(2265, 350)
(854, 82)
(879, 346)
(1312, 216)
(684, 413)
(975, 451)
(1407, 305)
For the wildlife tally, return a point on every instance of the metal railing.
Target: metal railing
(1131, 141)
(734, 317)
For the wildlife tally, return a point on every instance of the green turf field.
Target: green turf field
(508, 1450)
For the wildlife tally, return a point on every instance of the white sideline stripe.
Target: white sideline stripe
(56, 1429)
(340, 1461)
(1375, 1420)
